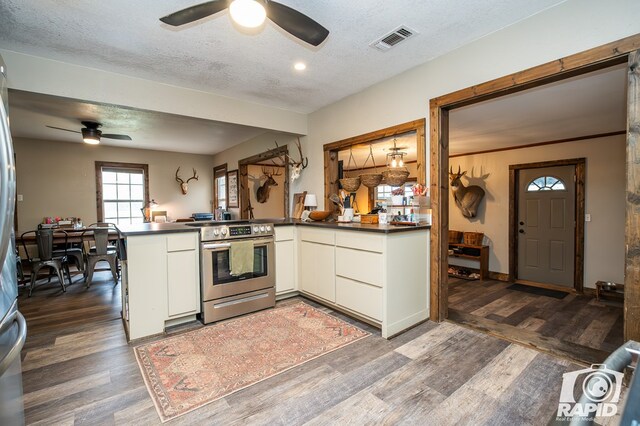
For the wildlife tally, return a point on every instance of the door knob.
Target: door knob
(521, 223)
(521, 231)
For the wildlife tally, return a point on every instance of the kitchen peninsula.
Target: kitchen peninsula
(376, 273)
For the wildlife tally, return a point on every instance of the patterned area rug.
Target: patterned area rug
(187, 371)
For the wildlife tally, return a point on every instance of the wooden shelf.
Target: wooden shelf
(469, 253)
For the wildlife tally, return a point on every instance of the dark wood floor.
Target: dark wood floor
(78, 369)
(577, 326)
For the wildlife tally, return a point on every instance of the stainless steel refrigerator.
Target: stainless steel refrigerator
(13, 328)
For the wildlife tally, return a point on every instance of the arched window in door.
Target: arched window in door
(546, 183)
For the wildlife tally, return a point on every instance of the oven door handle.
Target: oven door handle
(215, 246)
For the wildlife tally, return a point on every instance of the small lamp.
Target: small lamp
(146, 210)
(310, 201)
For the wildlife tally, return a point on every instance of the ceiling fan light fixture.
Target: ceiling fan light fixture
(91, 136)
(248, 13)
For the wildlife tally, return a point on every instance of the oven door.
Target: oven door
(217, 281)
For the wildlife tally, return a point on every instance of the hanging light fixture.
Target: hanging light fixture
(91, 136)
(395, 157)
(248, 13)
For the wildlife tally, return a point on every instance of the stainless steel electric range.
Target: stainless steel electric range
(225, 295)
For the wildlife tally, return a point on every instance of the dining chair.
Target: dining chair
(44, 242)
(100, 251)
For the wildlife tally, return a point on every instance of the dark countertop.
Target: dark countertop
(161, 228)
(353, 226)
(155, 228)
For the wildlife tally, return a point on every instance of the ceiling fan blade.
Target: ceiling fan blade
(296, 23)
(60, 128)
(119, 137)
(196, 12)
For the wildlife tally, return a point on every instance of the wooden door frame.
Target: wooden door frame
(331, 184)
(243, 167)
(578, 263)
(614, 53)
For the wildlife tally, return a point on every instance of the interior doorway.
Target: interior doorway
(546, 236)
(620, 52)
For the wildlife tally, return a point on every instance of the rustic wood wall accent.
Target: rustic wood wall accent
(580, 173)
(219, 171)
(632, 232)
(125, 166)
(243, 190)
(331, 153)
(439, 190)
(613, 53)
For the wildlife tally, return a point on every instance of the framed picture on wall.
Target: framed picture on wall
(232, 182)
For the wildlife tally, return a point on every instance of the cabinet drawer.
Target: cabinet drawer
(181, 242)
(284, 233)
(320, 236)
(360, 241)
(359, 297)
(359, 265)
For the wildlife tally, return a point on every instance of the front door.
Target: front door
(546, 225)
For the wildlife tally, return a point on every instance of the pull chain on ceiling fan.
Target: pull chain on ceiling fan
(251, 14)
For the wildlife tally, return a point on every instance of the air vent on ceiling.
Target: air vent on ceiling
(396, 36)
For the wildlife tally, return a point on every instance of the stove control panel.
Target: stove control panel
(228, 232)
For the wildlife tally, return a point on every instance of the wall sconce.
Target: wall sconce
(395, 158)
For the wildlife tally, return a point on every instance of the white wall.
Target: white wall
(40, 75)
(605, 185)
(263, 143)
(58, 179)
(571, 27)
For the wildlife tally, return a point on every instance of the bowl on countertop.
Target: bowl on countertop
(319, 215)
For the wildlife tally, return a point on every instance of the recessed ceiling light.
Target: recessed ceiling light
(300, 66)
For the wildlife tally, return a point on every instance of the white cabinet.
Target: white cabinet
(285, 259)
(183, 277)
(381, 278)
(317, 270)
(183, 290)
(161, 282)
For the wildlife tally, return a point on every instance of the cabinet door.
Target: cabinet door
(183, 282)
(285, 266)
(317, 270)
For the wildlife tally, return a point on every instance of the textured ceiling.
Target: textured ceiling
(586, 105)
(211, 55)
(32, 112)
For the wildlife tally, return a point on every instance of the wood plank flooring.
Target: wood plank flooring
(578, 327)
(78, 369)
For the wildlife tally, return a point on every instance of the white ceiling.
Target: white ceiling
(586, 105)
(32, 112)
(126, 37)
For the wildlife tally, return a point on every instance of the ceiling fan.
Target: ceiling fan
(251, 14)
(91, 134)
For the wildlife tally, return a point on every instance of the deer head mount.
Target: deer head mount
(184, 186)
(262, 195)
(467, 197)
(296, 166)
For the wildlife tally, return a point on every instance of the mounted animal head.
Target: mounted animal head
(296, 166)
(262, 195)
(467, 197)
(184, 186)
